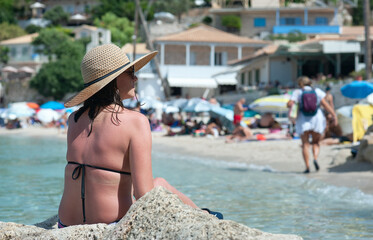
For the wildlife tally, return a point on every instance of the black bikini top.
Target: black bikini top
(81, 168)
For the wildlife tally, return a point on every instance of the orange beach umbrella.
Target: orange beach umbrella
(33, 105)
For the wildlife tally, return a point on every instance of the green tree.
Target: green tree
(56, 79)
(57, 16)
(61, 76)
(8, 31)
(176, 7)
(22, 9)
(33, 28)
(7, 11)
(49, 42)
(207, 20)
(358, 13)
(4, 57)
(121, 28)
(294, 1)
(294, 36)
(231, 22)
(124, 8)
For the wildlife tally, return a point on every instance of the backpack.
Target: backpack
(308, 102)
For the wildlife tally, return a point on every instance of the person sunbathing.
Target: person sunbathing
(333, 133)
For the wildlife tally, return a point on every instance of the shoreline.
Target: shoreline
(284, 156)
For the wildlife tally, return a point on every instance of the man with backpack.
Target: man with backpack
(310, 122)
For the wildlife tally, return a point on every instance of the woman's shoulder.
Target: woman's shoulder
(132, 116)
(320, 92)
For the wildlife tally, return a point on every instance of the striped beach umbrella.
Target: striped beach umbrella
(272, 104)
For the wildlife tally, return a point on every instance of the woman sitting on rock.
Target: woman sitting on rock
(108, 146)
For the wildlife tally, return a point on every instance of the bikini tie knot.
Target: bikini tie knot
(76, 173)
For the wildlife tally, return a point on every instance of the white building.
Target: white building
(148, 84)
(191, 59)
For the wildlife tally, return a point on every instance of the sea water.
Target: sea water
(32, 169)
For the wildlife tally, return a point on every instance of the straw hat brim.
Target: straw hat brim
(94, 88)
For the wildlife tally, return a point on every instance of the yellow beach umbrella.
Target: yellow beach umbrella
(272, 104)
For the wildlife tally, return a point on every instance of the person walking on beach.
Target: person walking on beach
(238, 111)
(108, 146)
(310, 122)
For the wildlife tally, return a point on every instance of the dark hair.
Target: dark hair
(102, 99)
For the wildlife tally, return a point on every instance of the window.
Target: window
(290, 21)
(192, 59)
(70, 9)
(250, 79)
(257, 76)
(259, 22)
(220, 58)
(321, 21)
(83, 34)
(13, 51)
(24, 51)
(243, 79)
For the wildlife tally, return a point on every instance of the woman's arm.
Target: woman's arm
(330, 110)
(290, 103)
(140, 156)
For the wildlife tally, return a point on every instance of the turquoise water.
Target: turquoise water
(31, 177)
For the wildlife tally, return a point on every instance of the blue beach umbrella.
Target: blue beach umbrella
(197, 105)
(224, 115)
(53, 105)
(357, 89)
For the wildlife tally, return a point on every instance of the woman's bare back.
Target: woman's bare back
(108, 195)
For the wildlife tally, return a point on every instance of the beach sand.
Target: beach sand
(284, 156)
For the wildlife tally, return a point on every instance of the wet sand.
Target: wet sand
(336, 164)
(284, 156)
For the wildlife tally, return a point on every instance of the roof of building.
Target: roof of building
(20, 40)
(267, 50)
(84, 26)
(325, 38)
(207, 34)
(140, 48)
(355, 30)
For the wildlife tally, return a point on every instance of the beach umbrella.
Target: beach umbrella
(370, 99)
(18, 110)
(129, 102)
(33, 105)
(272, 104)
(165, 16)
(78, 17)
(179, 103)
(344, 115)
(47, 115)
(9, 69)
(224, 115)
(26, 69)
(53, 105)
(150, 102)
(197, 105)
(171, 109)
(357, 89)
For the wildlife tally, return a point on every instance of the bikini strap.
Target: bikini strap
(81, 169)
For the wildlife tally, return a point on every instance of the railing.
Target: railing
(309, 29)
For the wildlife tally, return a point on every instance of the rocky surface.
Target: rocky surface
(157, 215)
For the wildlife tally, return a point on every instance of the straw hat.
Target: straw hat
(100, 66)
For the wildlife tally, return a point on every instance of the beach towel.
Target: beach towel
(361, 120)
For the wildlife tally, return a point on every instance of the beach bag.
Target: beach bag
(308, 102)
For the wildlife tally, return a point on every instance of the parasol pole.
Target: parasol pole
(166, 87)
(368, 46)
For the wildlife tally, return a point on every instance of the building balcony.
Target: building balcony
(307, 29)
